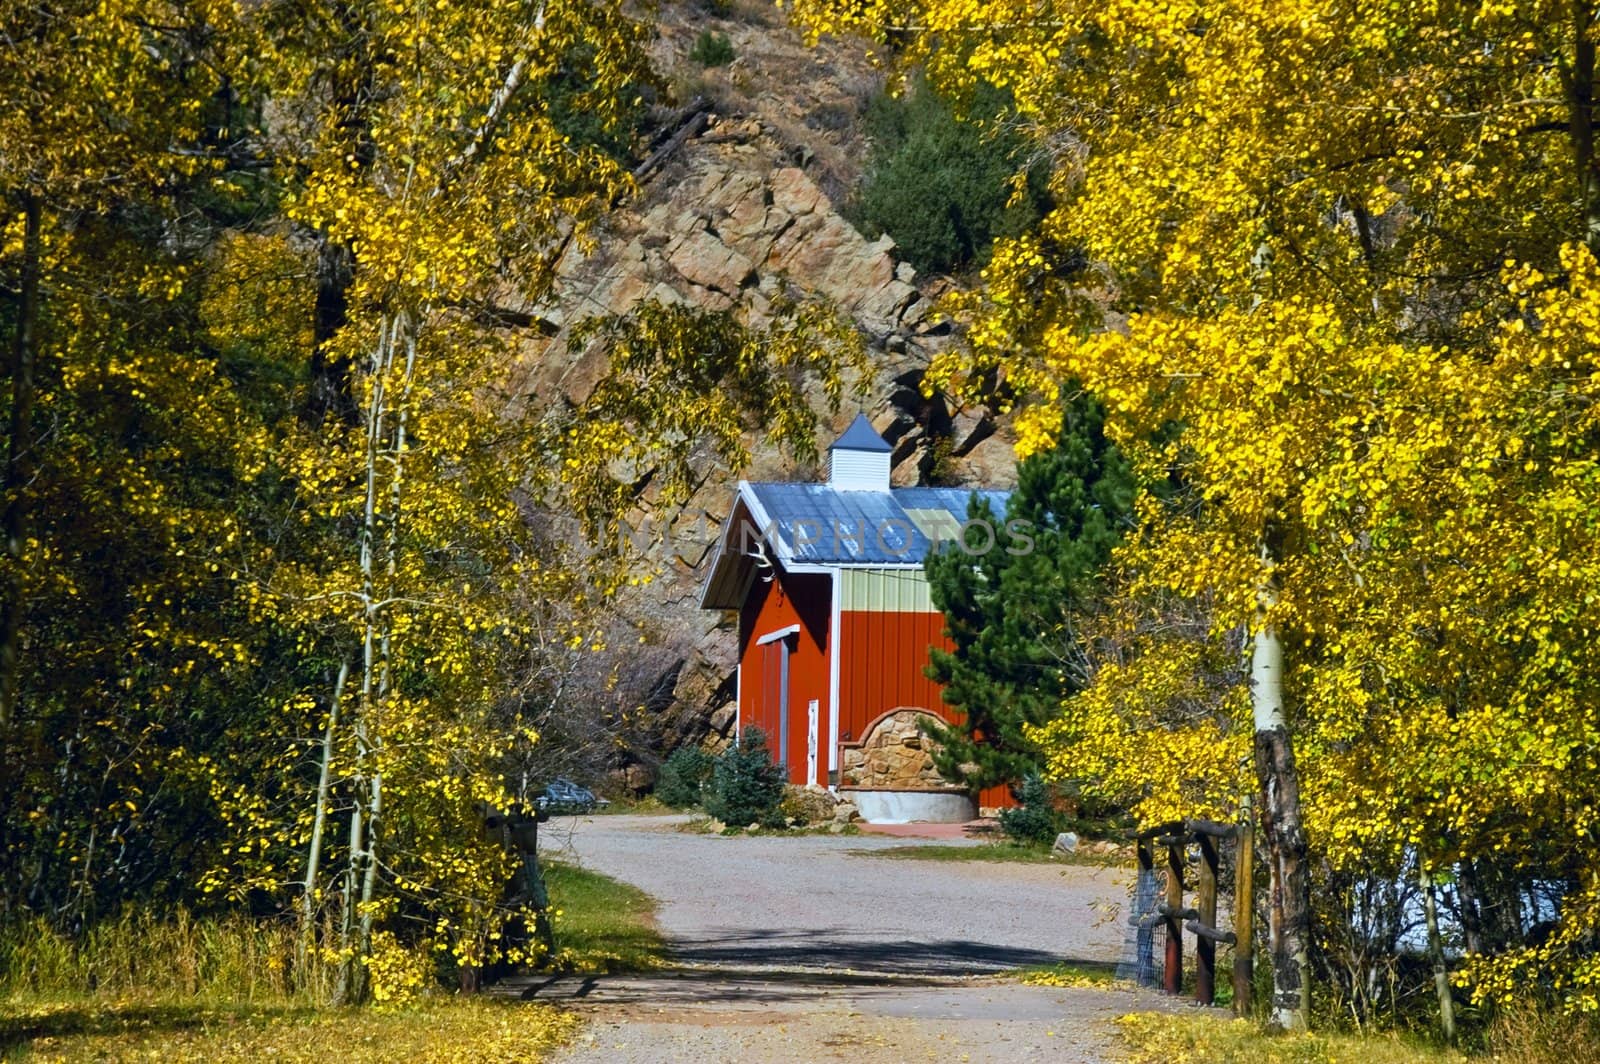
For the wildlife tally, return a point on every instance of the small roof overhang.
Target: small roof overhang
(733, 568)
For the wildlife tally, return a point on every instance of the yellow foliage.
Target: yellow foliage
(468, 1031)
(1343, 298)
(399, 974)
(1162, 1038)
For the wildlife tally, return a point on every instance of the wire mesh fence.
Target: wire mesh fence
(1145, 944)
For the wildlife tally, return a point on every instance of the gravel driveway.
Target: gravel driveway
(810, 947)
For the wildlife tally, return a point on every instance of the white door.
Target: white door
(811, 744)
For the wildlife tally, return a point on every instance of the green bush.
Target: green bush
(570, 98)
(746, 787)
(1037, 819)
(712, 49)
(683, 776)
(941, 184)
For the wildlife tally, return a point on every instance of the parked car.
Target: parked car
(562, 797)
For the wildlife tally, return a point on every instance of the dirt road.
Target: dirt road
(811, 948)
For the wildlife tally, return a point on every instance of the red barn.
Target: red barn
(835, 622)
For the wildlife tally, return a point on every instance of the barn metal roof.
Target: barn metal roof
(806, 525)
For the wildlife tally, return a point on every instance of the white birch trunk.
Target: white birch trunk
(367, 801)
(345, 989)
(1441, 972)
(319, 819)
(1285, 833)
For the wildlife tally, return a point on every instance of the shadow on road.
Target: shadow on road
(860, 951)
(756, 968)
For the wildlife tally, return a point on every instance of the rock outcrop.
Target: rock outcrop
(726, 228)
(738, 212)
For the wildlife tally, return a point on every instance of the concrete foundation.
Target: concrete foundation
(881, 806)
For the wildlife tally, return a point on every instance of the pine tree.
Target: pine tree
(1011, 612)
(746, 785)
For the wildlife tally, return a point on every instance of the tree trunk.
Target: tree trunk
(331, 393)
(1441, 973)
(319, 819)
(19, 459)
(348, 988)
(1244, 903)
(1490, 907)
(400, 331)
(369, 879)
(368, 784)
(1286, 846)
(1579, 85)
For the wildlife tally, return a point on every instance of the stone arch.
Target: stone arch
(893, 753)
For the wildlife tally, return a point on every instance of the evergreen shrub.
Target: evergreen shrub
(1037, 820)
(683, 776)
(941, 184)
(712, 49)
(746, 786)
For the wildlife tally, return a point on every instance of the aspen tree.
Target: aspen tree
(1350, 250)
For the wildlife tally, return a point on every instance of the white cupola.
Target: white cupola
(859, 459)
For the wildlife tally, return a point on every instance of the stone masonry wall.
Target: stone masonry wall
(894, 754)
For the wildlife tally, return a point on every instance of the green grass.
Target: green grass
(227, 958)
(602, 924)
(219, 990)
(1010, 852)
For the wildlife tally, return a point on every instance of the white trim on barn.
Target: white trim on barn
(813, 725)
(782, 633)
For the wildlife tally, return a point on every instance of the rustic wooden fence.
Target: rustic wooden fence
(1200, 919)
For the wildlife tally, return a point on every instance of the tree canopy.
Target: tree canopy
(283, 605)
(1348, 252)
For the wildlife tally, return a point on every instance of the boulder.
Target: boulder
(809, 804)
(722, 718)
(708, 262)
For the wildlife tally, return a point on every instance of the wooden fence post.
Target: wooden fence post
(1205, 986)
(1244, 937)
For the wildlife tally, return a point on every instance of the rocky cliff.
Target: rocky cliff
(740, 195)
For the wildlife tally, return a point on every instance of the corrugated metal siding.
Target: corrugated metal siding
(790, 598)
(881, 668)
(883, 655)
(885, 591)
